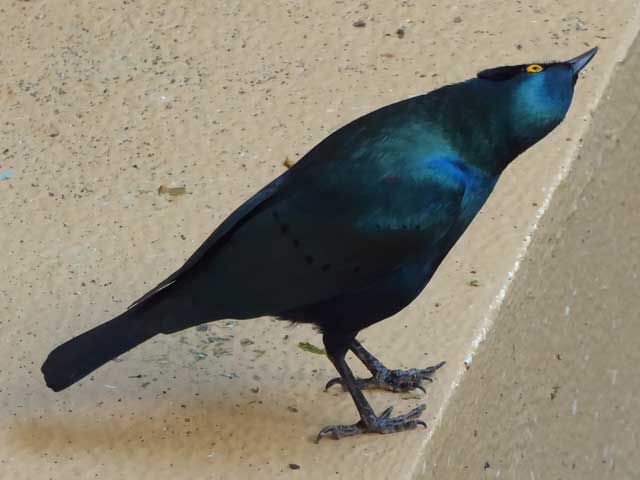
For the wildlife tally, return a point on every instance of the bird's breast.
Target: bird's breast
(479, 186)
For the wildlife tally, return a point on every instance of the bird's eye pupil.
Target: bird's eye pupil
(535, 68)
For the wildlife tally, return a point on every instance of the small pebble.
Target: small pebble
(200, 355)
(7, 175)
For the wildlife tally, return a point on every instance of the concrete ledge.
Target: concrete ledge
(552, 392)
(105, 101)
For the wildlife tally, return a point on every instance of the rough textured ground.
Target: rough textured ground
(102, 102)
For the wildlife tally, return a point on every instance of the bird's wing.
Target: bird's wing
(240, 215)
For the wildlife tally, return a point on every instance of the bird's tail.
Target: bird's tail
(81, 355)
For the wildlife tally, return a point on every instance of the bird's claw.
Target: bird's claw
(381, 424)
(332, 382)
(393, 380)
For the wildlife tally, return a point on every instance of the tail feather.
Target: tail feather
(77, 358)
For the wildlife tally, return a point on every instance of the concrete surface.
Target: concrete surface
(103, 102)
(553, 392)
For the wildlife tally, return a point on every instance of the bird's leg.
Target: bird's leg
(369, 421)
(382, 377)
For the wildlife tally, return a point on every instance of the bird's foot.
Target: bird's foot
(393, 380)
(385, 423)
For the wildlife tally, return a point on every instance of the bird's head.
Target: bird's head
(537, 95)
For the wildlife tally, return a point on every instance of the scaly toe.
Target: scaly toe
(340, 431)
(384, 423)
(408, 421)
(361, 382)
(398, 381)
(386, 413)
(415, 413)
(425, 373)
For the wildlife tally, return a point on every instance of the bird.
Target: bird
(351, 233)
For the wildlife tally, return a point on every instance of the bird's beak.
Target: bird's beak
(581, 61)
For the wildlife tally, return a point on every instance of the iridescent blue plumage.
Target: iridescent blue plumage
(354, 231)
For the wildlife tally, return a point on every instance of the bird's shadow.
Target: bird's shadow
(162, 428)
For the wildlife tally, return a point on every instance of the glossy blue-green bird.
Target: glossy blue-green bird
(353, 232)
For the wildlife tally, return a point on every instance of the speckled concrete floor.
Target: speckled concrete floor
(102, 102)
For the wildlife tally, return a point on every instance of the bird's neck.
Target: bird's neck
(536, 111)
(491, 129)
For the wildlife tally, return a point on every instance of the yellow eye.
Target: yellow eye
(535, 68)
